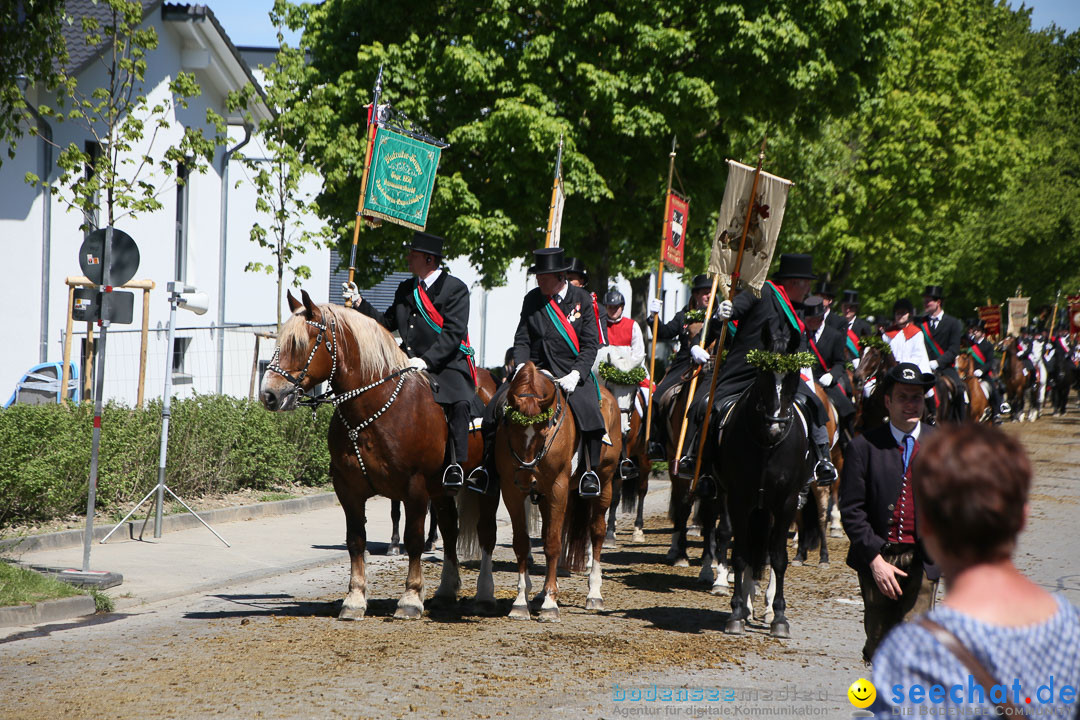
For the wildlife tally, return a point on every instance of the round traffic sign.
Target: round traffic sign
(123, 257)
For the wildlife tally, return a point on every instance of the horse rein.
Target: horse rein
(554, 422)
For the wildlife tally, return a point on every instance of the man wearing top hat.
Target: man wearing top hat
(430, 312)
(686, 328)
(877, 507)
(827, 292)
(578, 275)
(542, 337)
(777, 305)
(856, 327)
(830, 357)
(987, 366)
(942, 334)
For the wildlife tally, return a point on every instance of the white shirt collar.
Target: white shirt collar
(898, 434)
(937, 317)
(561, 294)
(430, 279)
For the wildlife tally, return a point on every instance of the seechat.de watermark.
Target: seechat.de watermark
(971, 697)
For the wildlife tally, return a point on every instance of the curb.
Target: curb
(172, 523)
(48, 611)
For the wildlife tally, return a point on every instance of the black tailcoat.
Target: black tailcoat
(948, 336)
(833, 349)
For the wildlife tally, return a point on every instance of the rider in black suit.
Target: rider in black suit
(849, 305)
(830, 359)
(827, 292)
(943, 335)
(438, 351)
(877, 506)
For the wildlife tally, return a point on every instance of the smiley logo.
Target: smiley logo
(862, 693)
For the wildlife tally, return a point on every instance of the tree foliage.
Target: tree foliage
(503, 81)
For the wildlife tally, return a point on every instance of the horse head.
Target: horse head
(776, 390)
(535, 413)
(305, 356)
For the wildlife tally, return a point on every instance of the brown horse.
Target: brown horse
(535, 452)
(387, 437)
(1017, 382)
(978, 399)
(631, 481)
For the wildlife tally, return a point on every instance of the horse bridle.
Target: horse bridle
(331, 348)
(554, 422)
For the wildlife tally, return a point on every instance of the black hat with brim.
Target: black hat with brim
(427, 243)
(549, 260)
(701, 282)
(795, 266)
(813, 307)
(575, 265)
(825, 289)
(903, 304)
(909, 374)
(934, 291)
(851, 297)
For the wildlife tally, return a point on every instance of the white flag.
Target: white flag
(769, 205)
(1018, 314)
(557, 200)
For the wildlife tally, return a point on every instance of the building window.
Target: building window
(180, 348)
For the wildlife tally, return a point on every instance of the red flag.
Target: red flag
(991, 315)
(675, 231)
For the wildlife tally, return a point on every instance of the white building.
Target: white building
(200, 236)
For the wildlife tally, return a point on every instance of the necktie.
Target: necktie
(909, 449)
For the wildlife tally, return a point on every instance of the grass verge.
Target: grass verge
(19, 586)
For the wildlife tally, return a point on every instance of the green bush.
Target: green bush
(216, 444)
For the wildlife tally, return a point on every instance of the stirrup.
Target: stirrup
(628, 470)
(825, 473)
(453, 477)
(478, 480)
(589, 484)
(1005, 408)
(685, 471)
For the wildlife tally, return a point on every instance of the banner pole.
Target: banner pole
(373, 124)
(1053, 317)
(659, 288)
(554, 195)
(723, 331)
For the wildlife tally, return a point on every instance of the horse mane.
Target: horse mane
(527, 382)
(377, 354)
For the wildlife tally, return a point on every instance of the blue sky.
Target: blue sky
(247, 22)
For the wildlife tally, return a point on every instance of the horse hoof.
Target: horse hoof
(609, 542)
(548, 615)
(520, 612)
(780, 629)
(393, 550)
(351, 613)
(594, 603)
(693, 531)
(735, 627)
(428, 547)
(835, 533)
(823, 565)
(638, 537)
(681, 562)
(796, 563)
(719, 590)
(408, 612)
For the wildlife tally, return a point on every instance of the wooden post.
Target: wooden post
(659, 292)
(723, 331)
(88, 361)
(65, 374)
(143, 336)
(694, 379)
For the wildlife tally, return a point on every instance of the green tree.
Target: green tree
(32, 48)
(278, 176)
(123, 123)
(502, 81)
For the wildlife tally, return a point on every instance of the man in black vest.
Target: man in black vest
(434, 341)
(686, 328)
(830, 357)
(877, 506)
(553, 316)
(943, 335)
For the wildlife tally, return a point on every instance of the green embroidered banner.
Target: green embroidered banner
(401, 179)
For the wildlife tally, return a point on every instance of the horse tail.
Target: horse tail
(629, 492)
(576, 533)
(468, 507)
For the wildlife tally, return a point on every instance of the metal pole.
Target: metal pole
(166, 405)
(222, 255)
(99, 392)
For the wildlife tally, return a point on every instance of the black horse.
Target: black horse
(1059, 371)
(761, 462)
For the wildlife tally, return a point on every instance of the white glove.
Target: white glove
(655, 306)
(933, 364)
(868, 388)
(417, 363)
(826, 379)
(855, 363)
(350, 293)
(569, 382)
(978, 373)
(699, 354)
(724, 310)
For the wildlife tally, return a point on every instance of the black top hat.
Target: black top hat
(427, 243)
(701, 282)
(795, 265)
(549, 260)
(813, 307)
(976, 323)
(903, 304)
(934, 291)
(825, 289)
(851, 297)
(909, 374)
(575, 265)
(614, 297)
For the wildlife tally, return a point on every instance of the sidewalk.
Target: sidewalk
(192, 560)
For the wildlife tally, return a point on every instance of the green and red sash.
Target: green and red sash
(977, 354)
(853, 343)
(789, 310)
(567, 332)
(435, 319)
(813, 346)
(930, 342)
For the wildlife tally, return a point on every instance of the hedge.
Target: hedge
(216, 444)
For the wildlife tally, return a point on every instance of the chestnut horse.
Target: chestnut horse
(1018, 382)
(978, 397)
(536, 459)
(631, 482)
(387, 437)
